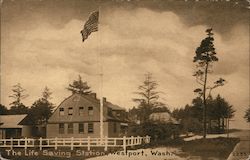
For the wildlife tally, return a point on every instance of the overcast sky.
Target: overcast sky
(41, 46)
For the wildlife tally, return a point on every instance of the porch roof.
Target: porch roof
(11, 121)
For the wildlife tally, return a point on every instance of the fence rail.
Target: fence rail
(89, 142)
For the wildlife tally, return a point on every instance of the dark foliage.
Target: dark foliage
(157, 131)
(247, 115)
(148, 101)
(17, 107)
(3, 110)
(41, 109)
(191, 116)
(78, 86)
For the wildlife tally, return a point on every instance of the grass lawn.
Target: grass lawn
(207, 149)
(218, 148)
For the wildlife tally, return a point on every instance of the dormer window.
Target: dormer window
(81, 111)
(61, 111)
(90, 111)
(70, 111)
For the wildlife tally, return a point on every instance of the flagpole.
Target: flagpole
(101, 77)
(93, 25)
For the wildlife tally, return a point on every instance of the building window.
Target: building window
(61, 128)
(81, 111)
(90, 111)
(81, 127)
(90, 128)
(109, 111)
(70, 128)
(70, 111)
(115, 128)
(61, 111)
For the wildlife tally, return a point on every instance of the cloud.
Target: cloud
(131, 42)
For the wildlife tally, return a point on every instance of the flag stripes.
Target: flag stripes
(91, 25)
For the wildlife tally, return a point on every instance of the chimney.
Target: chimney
(93, 95)
(104, 99)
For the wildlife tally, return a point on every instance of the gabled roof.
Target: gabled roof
(163, 117)
(106, 103)
(113, 106)
(77, 99)
(11, 121)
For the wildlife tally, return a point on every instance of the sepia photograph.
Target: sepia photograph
(124, 80)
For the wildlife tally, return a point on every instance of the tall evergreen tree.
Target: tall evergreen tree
(205, 56)
(41, 109)
(148, 97)
(80, 87)
(17, 107)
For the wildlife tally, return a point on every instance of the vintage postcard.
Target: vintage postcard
(125, 80)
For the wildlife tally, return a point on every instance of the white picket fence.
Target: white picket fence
(89, 142)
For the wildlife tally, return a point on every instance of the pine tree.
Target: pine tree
(17, 107)
(205, 56)
(80, 87)
(41, 109)
(148, 98)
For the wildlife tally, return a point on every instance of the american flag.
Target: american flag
(90, 26)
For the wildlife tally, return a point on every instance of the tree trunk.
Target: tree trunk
(209, 126)
(218, 125)
(223, 125)
(205, 104)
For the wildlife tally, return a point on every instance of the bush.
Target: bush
(157, 131)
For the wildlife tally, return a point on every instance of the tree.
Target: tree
(3, 110)
(190, 117)
(80, 87)
(204, 57)
(218, 110)
(247, 115)
(41, 109)
(17, 107)
(148, 98)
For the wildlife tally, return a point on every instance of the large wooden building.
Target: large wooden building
(79, 116)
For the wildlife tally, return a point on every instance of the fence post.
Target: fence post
(147, 139)
(18, 142)
(40, 143)
(88, 143)
(137, 140)
(132, 141)
(106, 143)
(72, 143)
(56, 143)
(25, 142)
(114, 141)
(11, 143)
(124, 143)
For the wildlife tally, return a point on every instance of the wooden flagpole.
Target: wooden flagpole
(101, 77)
